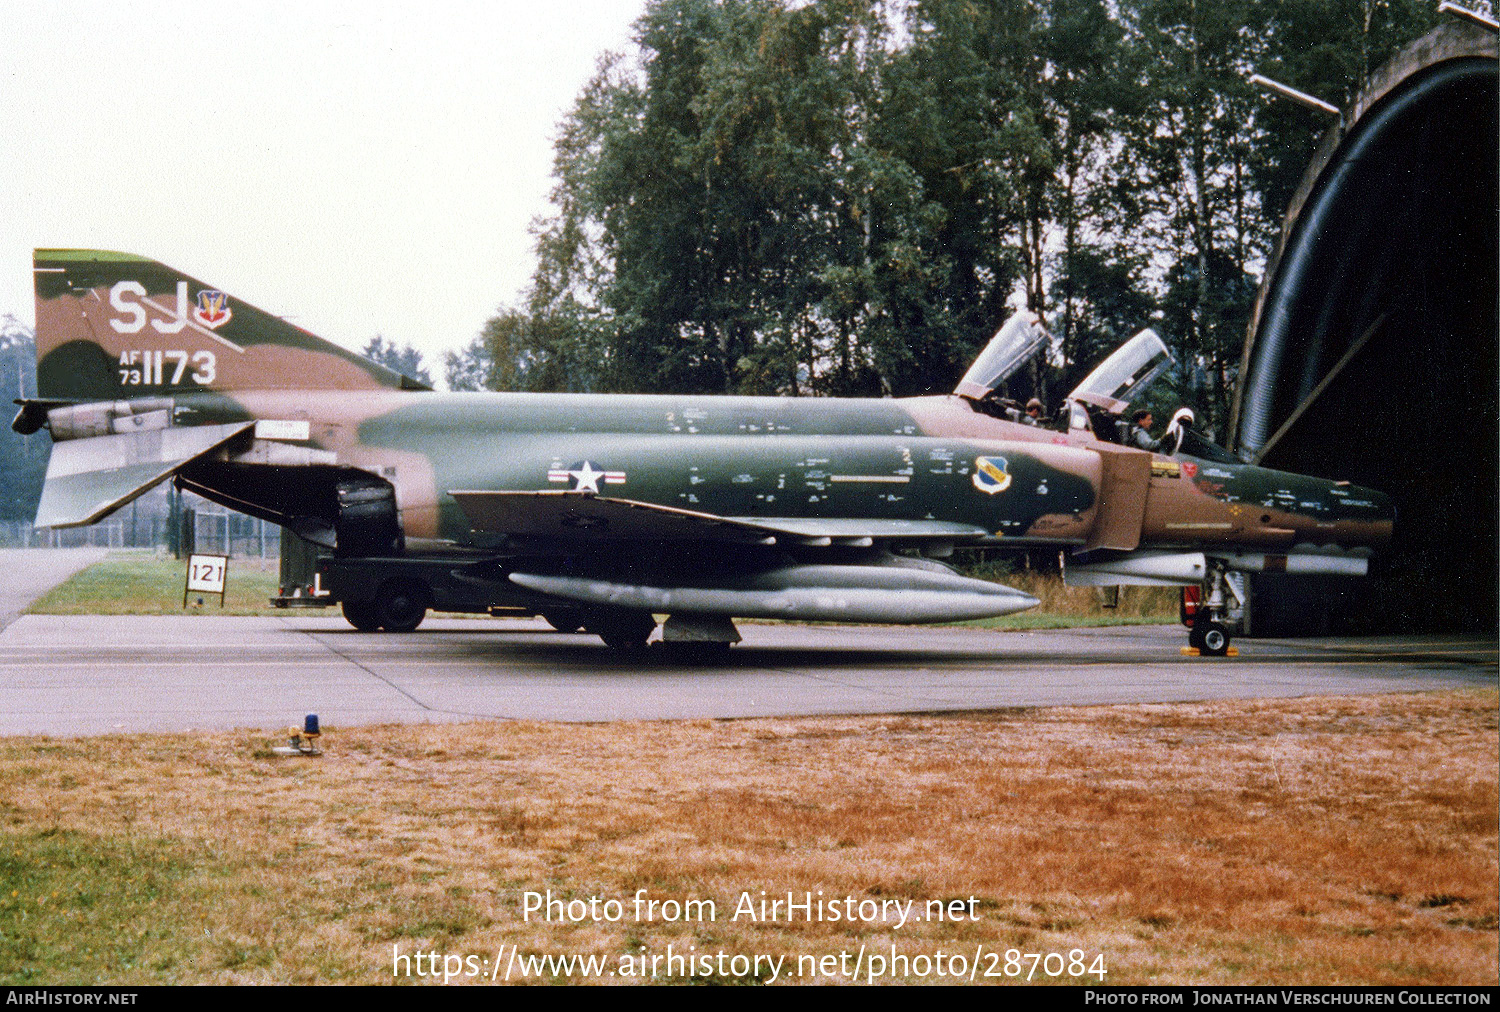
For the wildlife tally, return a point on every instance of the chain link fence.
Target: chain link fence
(216, 532)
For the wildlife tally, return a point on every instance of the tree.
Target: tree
(1210, 319)
(956, 111)
(1091, 88)
(1221, 161)
(23, 459)
(1326, 48)
(472, 368)
(407, 360)
(1198, 140)
(835, 197)
(1107, 302)
(713, 229)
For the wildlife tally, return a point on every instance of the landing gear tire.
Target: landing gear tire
(626, 633)
(361, 615)
(1213, 641)
(401, 605)
(563, 621)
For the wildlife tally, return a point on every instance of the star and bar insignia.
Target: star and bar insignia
(585, 476)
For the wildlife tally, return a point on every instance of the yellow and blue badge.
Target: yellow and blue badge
(990, 475)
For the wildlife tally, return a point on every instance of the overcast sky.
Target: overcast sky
(359, 168)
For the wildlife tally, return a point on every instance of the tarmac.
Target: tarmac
(82, 675)
(31, 572)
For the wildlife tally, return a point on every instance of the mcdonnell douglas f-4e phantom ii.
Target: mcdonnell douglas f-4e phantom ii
(602, 511)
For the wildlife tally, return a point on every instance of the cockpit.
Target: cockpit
(1099, 403)
(1096, 406)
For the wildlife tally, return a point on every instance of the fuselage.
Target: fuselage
(925, 458)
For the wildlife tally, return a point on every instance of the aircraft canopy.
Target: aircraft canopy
(1013, 345)
(1123, 376)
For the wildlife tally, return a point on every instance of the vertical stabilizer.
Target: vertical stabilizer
(112, 326)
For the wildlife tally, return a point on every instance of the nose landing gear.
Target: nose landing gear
(1208, 633)
(1210, 638)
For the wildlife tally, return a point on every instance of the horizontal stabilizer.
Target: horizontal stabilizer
(87, 479)
(586, 515)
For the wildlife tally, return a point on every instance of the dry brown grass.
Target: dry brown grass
(1059, 599)
(1311, 841)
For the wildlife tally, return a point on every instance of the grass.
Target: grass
(1065, 607)
(1039, 619)
(1304, 841)
(137, 583)
(71, 901)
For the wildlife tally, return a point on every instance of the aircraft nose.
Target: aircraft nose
(1368, 514)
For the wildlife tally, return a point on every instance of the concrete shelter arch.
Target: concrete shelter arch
(1371, 355)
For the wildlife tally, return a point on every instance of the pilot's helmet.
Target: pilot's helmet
(1034, 403)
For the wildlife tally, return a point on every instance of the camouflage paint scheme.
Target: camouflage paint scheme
(153, 374)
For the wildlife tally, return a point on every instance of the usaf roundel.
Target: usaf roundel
(585, 476)
(990, 475)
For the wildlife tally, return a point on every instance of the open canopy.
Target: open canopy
(1013, 345)
(1125, 375)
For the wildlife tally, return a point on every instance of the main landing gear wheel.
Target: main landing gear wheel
(361, 615)
(564, 621)
(401, 605)
(627, 633)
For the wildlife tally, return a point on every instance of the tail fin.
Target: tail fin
(112, 326)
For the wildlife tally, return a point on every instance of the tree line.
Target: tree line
(23, 459)
(846, 197)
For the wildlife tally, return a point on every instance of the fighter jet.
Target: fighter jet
(602, 511)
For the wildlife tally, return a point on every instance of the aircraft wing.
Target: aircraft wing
(87, 479)
(587, 516)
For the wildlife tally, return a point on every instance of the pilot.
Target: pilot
(1033, 414)
(1140, 432)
